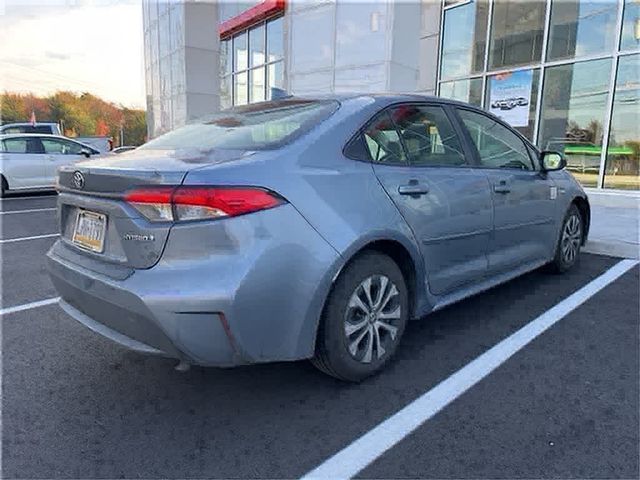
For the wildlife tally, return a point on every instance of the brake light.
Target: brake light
(162, 204)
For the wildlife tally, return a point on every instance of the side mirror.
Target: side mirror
(552, 161)
(86, 152)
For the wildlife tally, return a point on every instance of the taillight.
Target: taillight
(162, 204)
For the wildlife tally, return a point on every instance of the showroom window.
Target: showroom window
(466, 90)
(574, 103)
(517, 33)
(631, 26)
(464, 38)
(564, 73)
(581, 27)
(251, 64)
(623, 152)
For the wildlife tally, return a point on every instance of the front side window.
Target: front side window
(428, 136)
(56, 146)
(252, 127)
(498, 147)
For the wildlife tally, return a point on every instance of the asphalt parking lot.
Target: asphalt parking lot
(566, 404)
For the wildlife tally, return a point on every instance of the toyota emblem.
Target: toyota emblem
(78, 180)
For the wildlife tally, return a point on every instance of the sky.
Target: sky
(91, 46)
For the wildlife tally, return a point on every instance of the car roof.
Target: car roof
(5, 136)
(23, 124)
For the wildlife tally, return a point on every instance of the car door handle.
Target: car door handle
(501, 187)
(413, 189)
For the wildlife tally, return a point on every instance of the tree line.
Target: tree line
(79, 115)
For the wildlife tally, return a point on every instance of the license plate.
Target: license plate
(90, 230)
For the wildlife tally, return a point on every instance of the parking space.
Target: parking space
(77, 406)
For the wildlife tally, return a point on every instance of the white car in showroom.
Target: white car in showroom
(30, 161)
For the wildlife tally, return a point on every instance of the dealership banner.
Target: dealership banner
(510, 95)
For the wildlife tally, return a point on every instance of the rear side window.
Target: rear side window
(428, 136)
(383, 141)
(253, 127)
(498, 147)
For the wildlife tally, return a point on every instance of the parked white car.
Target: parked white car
(31, 161)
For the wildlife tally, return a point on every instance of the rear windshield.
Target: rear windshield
(252, 127)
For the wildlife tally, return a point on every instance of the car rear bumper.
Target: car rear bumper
(232, 292)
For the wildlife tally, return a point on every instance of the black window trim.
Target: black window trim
(468, 149)
(467, 134)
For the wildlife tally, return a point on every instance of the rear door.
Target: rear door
(421, 162)
(23, 162)
(523, 197)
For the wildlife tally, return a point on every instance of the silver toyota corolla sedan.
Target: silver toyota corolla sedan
(308, 228)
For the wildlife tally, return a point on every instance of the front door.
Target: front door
(523, 197)
(419, 160)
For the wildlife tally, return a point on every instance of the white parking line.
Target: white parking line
(28, 306)
(12, 212)
(356, 456)
(36, 237)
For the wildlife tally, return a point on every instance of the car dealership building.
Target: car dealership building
(565, 73)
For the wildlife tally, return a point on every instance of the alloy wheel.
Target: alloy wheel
(371, 319)
(571, 239)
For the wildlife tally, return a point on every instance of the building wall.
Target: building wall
(181, 62)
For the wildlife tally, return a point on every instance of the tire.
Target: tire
(569, 241)
(340, 354)
(3, 186)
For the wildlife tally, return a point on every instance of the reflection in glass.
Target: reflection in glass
(464, 39)
(469, 90)
(275, 40)
(581, 27)
(623, 153)
(526, 130)
(274, 77)
(574, 101)
(631, 25)
(256, 91)
(240, 84)
(256, 46)
(225, 57)
(240, 51)
(225, 92)
(516, 36)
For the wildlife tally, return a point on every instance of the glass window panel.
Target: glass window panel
(240, 52)
(469, 90)
(623, 154)
(256, 90)
(225, 57)
(275, 77)
(516, 34)
(630, 25)
(574, 101)
(513, 97)
(581, 27)
(464, 38)
(240, 84)
(275, 40)
(256, 46)
(498, 147)
(383, 142)
(225, 92)
(428, 136)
